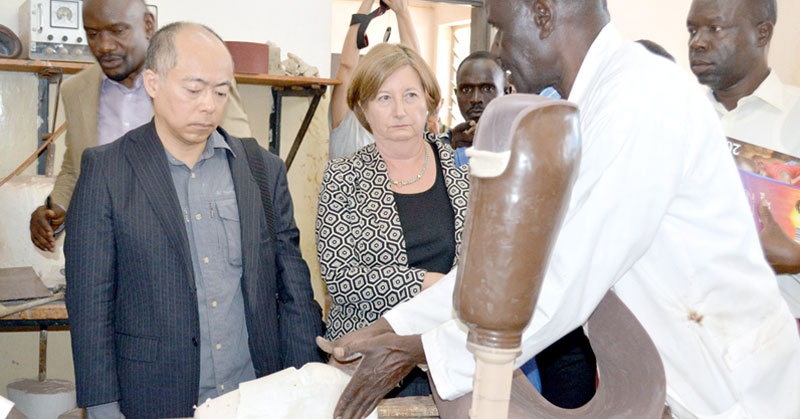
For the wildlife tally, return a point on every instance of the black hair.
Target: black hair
(482, 55)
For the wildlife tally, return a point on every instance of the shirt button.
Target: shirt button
(219, 346)
(222, 387)
(198, 217)
(213, 304)
(193, 175)
(205, 259)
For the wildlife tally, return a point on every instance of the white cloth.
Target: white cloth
(349, 137)
(658, 214)
(310, 392)
(770, 117)
(5, 407)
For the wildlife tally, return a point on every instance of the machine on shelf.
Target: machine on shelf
(53, 30)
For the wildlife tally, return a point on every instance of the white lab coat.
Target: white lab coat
(658, 214)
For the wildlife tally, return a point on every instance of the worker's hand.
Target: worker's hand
(463, 134)
(340, 346)
(347, 366)
(782, 253)
(385, 359)
(44, 221)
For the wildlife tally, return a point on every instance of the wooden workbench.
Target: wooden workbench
(50, 314)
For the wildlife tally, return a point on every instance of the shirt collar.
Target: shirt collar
(550, 92)
(137, 84)
(215, 141)
(769, 91)
(607, 41)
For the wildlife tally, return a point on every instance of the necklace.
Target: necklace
(401, 183)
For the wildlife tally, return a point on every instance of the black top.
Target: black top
(428, 225)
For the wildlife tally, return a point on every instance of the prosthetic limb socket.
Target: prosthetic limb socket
(524, 162)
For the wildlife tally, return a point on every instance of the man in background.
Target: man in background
(184, 279)
(479, 80)
(107, 100)
(728, 48)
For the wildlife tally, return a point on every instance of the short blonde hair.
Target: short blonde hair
(380, 63)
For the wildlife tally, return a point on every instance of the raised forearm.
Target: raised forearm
(405, 25)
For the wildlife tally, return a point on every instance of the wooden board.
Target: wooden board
(33, 66)
(408, 407)
(56, 310)
(21, 284)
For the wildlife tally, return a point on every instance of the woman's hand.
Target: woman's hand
(399, 7)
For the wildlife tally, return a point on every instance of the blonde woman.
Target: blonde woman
(390, 216)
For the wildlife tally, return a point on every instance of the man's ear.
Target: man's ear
(764, 33)
(149, 24)
(543, 17)
(151, 82)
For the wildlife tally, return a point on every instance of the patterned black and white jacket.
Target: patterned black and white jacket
(360, 242)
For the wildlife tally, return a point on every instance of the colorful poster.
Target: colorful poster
(771, 179)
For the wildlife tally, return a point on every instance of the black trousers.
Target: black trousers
(568, 369)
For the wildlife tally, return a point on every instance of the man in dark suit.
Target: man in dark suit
(177, 290)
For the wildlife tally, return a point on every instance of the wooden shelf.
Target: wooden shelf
(284, 81)
(32, 66)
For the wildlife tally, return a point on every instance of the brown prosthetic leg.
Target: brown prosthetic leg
(524, 163)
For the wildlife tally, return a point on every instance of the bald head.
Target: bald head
(163, 55)
(118, 32)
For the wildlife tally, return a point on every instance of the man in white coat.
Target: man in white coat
(657, 214)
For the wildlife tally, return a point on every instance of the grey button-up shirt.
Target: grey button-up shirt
(211, 217)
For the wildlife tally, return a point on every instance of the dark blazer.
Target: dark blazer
(130, 285)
